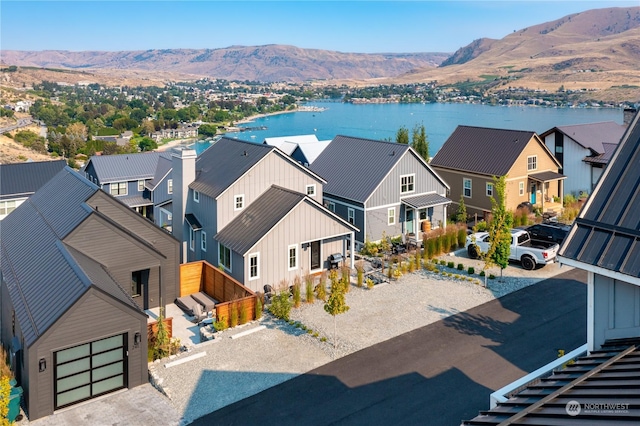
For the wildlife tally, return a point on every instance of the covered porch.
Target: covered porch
(546, 190)
(423, 213)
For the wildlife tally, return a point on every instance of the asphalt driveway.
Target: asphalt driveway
(439, 374)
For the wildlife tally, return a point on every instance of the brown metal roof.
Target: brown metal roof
(547, 176)
(482, 150)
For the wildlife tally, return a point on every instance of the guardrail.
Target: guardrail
(503, 394)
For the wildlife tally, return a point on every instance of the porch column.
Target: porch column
(542, 185)
(444, 216)
(561, 192)
(353, 249)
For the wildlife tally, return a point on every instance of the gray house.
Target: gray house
(77, 270)
(381, 187)
(605, 241)
(19, 181)
(254, 210)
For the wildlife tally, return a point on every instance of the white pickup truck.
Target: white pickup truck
(529, 253)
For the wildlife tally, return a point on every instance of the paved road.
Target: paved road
(436, 375)
(22, 122)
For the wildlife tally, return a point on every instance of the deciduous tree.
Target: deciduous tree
(336, 304)
(500, 226)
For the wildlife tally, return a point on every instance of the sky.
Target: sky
(345, 26)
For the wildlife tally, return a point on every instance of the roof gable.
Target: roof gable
(23, 179)
(482, 150)
(355, 167)
(114, 168)
(592, 135)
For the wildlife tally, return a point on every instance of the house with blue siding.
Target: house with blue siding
(381, 188)
(253, 210)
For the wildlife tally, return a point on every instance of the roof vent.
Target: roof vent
(244, 153)
(393, 152)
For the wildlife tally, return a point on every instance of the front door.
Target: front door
(408, 226)
(315, 255)
(534, 189)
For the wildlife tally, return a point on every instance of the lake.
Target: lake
(382, 121)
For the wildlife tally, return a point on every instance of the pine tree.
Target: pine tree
(402, 135)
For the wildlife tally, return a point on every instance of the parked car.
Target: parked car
(549, 231)
(529, 253)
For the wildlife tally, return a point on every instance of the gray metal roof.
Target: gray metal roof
(163, 168)
(425, 200)
(42, 275)
(482, 150)
(592, 135)
(193, 221)
(605, 157)
(23, 179)
(599, 382)
(114, 168)
(258, 219)
(354, 167)
(606, 233)
(135, 200)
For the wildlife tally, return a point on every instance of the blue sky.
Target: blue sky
(346, 26)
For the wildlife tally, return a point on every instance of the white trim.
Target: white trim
(326, 238)
(597, 270)
(413, 184)
(249, 257)
(235, 202)
(331, 206)
(535, 158)
(230, 268)
(139, 182)
(370, 209)
(393, 221)
(487, 185)
(590, 310)
(126, 188)
(192, 239)
(521, 191)
(321, 255)
(203, 241)
(297, 258)
(169, 186)
(343, 203)
(351, 214)
(311, 186)
(470, 180)
(196, 198)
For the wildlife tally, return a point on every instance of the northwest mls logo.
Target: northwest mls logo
(573, 408)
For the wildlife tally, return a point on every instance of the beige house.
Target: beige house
(472, 156)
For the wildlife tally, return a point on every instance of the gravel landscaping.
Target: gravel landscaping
(233, 369)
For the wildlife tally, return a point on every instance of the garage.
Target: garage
(89, 370)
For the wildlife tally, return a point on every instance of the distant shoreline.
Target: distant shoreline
(269, 114)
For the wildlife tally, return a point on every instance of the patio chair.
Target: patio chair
(198, 314)
(269, 292)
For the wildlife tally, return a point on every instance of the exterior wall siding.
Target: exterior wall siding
(616, 310)
(578, 172)
(206, 212)
(342, 210)
(94, 316)
(545, 162)
(478, 202)
(161, 193)
(377, 223)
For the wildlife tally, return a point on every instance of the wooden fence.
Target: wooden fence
(202, 276)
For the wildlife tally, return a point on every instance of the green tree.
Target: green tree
(147, 144)
(500, 226)
(161, 344)
(419, 142)
(336, 304)
(402, 135)
(461, 215)
(207, 130)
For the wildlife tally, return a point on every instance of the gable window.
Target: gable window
(192, 239)
(391, 216)
(140, 185)
(170, 186)
(407, 183)
(203, 241)
(351, 216)
(196, 196)
(254, 269)
(7, 207)
(466, 187)
(489, 189)
(311, 190)
(521, 188)
(293, 257)
(139, 279)
(119, 188)
(331, 206)
(238, 202)
(532, 162)
(224, 257)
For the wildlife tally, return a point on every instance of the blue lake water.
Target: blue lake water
(382, 121)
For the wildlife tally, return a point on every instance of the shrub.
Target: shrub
(460, 267)
(258, 307)
(315, 334)
(244, 314)
(360, 272)
(221, 324)
(481, 226)
(296, 292)
(346, 278)
(281, 305)
(418, 260)
(482, 273)
(321, 288)
(462, 236)
(370, 283)
(233, 314)
(309, 331)
(308, 280)
(323, 339)
(492, 277)
(443, 262)
(451, 265)
(471, 270)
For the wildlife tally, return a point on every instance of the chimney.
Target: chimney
(628, 115)
(183, 162)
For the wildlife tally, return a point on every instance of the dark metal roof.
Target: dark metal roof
(193, 221)
(606, 234)
(354, 167)
(482, 150)
(23, 179)
(604, 158)
(135, 200)
(605, 384)
(425, 200)
(43, 276)
(547, 176)
(163, 168)
(258, 219)
(592, 135)
(115, 168)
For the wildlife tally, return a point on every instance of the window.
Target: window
(521, 188)
(196, 196)
(351, 216)
(331, 206)
(406, 183)
(238, 203)
(293, 257)
(7, 207)
(203, 241)
(489, 189)
(311, 190)
(119, 188)
(139, 279)
(224, 257)
(254, 269)
(140, 185)
(532, 162)
(391, 216)
(466, 187)
(192, 239)
(170, 186)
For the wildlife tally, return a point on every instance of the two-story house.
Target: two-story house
(77, 270)
(381, 187)
(472, 156)
(256, 212)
